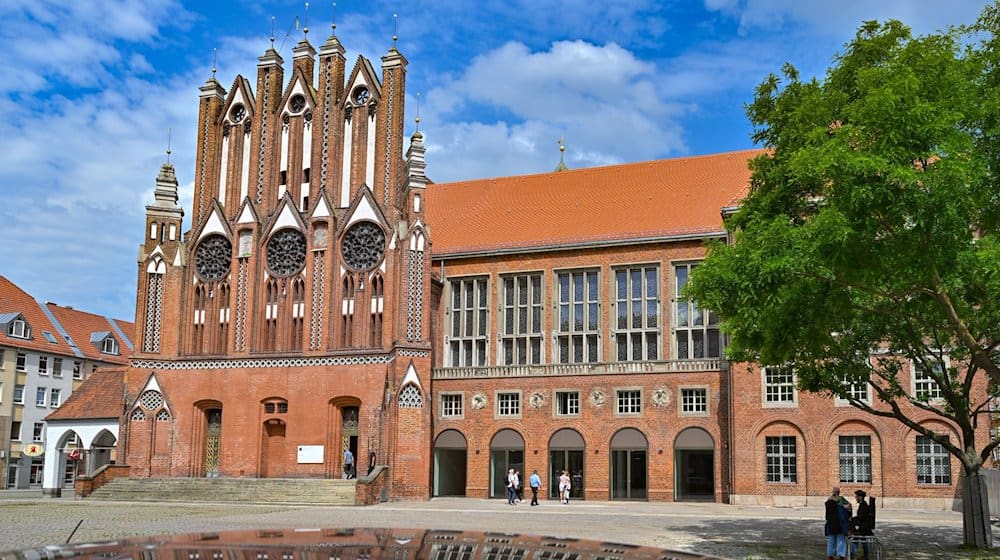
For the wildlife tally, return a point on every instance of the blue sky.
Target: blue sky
(89, 89)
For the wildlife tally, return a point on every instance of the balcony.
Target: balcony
(572, 370)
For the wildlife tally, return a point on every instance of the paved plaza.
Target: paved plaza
(28, 520)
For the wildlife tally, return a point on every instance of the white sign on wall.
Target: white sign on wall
(310, 454)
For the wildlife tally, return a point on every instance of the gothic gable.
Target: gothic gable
(363, 75)
(240, 95)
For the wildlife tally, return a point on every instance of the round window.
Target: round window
(364, 246)
(212, 258)
(297, 103)
(286, 252)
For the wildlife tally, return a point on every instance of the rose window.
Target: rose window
(212, 257)
(364, 246)
(286, 252)
(151, 400)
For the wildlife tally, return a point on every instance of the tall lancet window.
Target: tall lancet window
(415, 290)
(378, 292)
(198, 322)
(270, 340)
(347, 313)
(154, 305)
(222, 340)
(298, 312)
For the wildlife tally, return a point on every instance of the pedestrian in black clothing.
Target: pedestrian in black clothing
(861, 524)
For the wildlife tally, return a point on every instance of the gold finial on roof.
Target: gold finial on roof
(333, 25)
(214, 51)
(272, 31)
(418, 112)
(562, 151)
(305, 23)
(169, 138)
(395, 19)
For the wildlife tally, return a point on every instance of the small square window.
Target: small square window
(55, 396)
(567, 403)
(38, 433)
(451, 405)
(629, 401)
(19, 328)
(779, 386)
(109, 346)
(77, 370)
(924, 386)
(269, 408)
(282, 408)
(694, 400)
(508, 404)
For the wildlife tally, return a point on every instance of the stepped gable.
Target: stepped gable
(83, 326)
(101, 396)
(672, 197)
(14, 300)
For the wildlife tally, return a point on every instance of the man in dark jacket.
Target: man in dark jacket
(861, 524)
(838, 519)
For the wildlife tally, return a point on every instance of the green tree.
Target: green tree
(869, 236)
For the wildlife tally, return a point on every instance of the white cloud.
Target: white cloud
(605, 102)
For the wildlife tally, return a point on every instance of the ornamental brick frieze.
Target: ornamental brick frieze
(253, 363)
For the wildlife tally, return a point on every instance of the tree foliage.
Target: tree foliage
(869, 236)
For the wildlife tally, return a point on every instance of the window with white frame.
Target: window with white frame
(109, 346)
(521, 312)
(578, 329)
(19, 328)
(780, 459)
(694, 400)
(779, 385)
(18, 394)
(567, 403)
(696, 330)
(856, 390)
(40, 394)
(924, 385)
(55, 397)
(469, 322)
(933, 462)
(22, 362)
(43, 365)
(3, 361)
(1, 392)
(77, 369)
(637, 308)
(38, 433)
(855, 459)
(628, 401)
(451, 405)
(508, 404)
(57, 364)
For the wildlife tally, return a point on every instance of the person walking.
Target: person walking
(862, 524)
(520, 486)
(535, 482)
(837, 524)
(348, 463)
(512, 484)
(564, 487)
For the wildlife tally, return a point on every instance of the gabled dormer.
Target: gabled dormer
(105, 343)
(15, 325)
(237, 119)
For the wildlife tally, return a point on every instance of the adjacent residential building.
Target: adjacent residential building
(326, 297)
(46, 351)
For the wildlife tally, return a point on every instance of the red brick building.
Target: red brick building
(326, 297)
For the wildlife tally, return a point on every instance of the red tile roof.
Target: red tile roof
(15, 300)
(665, 198)
(81, 325)
(102, 395)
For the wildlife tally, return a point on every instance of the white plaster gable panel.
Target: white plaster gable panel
(237, 99)
(286, 219)
(213, 225)
(411, 376)
(363, 211)
(322, 210)
(178, 260)
(157, 266)
(152, 384)
(297, 89)
(246, 215)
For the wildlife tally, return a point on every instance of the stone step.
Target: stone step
(247, 490)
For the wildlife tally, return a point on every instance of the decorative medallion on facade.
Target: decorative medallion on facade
(360, 95)
(537, 400)
(364, 246)
(212, 258)
(237, 113)
(286, 253)
(478, 401)
(598, 398)
(297, 103)
(661, 397)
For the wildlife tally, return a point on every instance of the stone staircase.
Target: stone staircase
(331, 492)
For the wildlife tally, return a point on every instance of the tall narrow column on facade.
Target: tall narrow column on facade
(389, 144)
(210, 104)
(270, 78)
(332, 64)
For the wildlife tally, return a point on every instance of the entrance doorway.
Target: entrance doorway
(273, 449)
(450, 459)
(349, 437)
(629, 450)
(694, 472)
(213, 437)
(566, 454)
(506, 452)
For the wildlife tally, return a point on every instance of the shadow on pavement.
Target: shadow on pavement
(786, 539)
